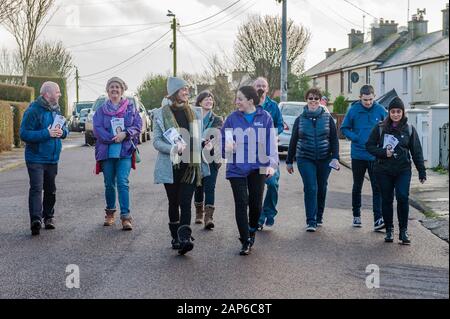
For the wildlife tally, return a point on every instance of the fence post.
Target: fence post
(438, 117)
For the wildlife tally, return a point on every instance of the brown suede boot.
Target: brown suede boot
(199, 213)
(126, 224)
(209, 211)
(109, 217)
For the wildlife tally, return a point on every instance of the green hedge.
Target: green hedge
(36, 83)
(18, 111)
(6, 127)
(18, 93)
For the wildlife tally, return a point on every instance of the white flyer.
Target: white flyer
(173, 136)
(229, 136)
(58, 122)
(390, 142)
(117, 125)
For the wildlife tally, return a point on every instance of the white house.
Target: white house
(419, 69)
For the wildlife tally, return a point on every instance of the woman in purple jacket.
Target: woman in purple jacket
(114, 148)
(249, 145)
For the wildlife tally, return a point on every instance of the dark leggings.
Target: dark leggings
(180, 198)
(248, 195)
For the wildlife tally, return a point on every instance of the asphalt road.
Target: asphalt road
(286, 261)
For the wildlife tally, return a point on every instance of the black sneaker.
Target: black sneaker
(379, 225)
(36, 227)
(175, 243)
(49, 223)
(251, 239)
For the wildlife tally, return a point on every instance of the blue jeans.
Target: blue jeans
(359, 168)
(400, 183)
(116, 172)
(271, 200)
(315, 181)
(208, 187)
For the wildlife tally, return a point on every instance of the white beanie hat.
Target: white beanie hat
(174, 84)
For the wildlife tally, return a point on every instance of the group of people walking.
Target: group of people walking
(188, 164)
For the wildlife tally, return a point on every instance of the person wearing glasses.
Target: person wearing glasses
(315, 146)
(393, 166)
(361, 117)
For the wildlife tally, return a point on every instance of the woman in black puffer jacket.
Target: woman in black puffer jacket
(393, 166)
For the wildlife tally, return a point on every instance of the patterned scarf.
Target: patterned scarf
(193, 172)
(109, 108)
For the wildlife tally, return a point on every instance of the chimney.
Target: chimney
(417, 27)
(445, 21)
(385, 28)
(330, 52)
(355, 38)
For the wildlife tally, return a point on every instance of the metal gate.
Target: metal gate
(443, 145)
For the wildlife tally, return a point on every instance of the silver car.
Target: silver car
(290, 111)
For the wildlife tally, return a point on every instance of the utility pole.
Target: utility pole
(284, 66)
(77, 87)
(173, 46)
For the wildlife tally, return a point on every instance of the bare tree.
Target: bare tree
(50, 59)
(7, 7)
(9, 62)
(26, 24)
(258, 47)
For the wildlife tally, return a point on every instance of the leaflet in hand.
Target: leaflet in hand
(334, 164)
(118, 125)
(390, 142)
(229, 136)
(173, 136)
(58, 122)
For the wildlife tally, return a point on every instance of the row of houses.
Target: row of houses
(410, 60)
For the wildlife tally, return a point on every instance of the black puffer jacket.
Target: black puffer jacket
(408, 146)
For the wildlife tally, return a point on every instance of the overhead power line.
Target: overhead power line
(354, 5)
(129, 58)
(212, 16)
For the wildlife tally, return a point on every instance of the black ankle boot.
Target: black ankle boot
(389, 234)
(184, 237)
(246, 244)
(403, 237)
(174, 233)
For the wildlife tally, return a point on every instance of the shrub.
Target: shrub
(19, 109)
(340, 105)
(6, 127)
(17, 93)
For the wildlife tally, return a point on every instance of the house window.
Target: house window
(445, 79)
(326, 83)
(315, 82)
(419, 78)
(349, 81)
(383, 83)
(367, 75)
(342, 82)
(405, 80)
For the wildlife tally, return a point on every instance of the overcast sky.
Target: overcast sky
(78, 22)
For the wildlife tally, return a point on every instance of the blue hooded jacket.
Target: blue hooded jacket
(357, 125)
(272, 108)
(40, 147)
(262, 120)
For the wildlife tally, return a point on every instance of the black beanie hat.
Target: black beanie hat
(396, 103)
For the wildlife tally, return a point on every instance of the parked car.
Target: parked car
(290, 111)
(83, 117)
(89, 130)
(74, 120)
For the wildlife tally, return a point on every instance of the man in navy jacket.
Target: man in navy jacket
(270, 201)
(42, 150)
(359, 121)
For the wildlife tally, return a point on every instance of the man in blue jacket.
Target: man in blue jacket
(359, 121)
(270, 201)
(43, 146)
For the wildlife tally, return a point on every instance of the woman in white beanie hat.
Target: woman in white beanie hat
(114, 148)
(180, 177)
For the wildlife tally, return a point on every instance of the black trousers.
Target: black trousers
(400, 183)
(42, 178)
(180, 198)
(248, 196)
